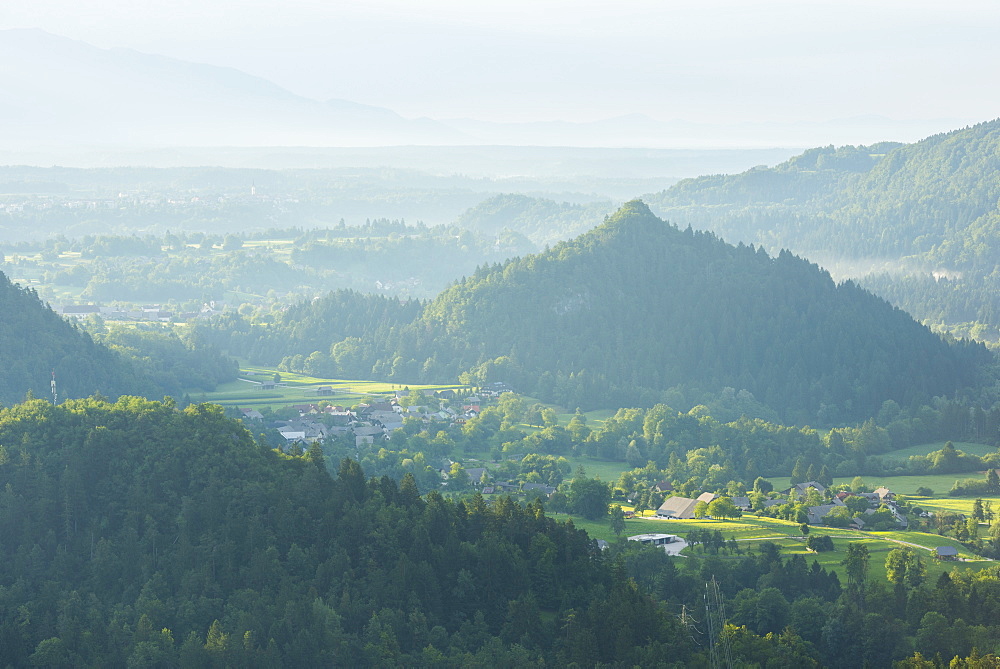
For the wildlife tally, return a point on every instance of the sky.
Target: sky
(713, 61)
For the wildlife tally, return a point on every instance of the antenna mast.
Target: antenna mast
(719, 651)
(55, 395)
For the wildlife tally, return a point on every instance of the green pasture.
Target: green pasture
(606, 470)
(905, 485)
(924, 449)
(961, 505)
(750, 531)
(295, 389)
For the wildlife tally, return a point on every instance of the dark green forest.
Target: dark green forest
(140, 535)
(356, 322)
(915, 209)
(638, 311)
(36, 342)
(114, 361)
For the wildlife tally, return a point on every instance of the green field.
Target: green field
(924, 449)
(606, 470)
(905, 485)
(295, 389)
(749, 531)
(961, 505)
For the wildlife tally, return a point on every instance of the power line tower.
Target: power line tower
(55, 395)
(719, 651)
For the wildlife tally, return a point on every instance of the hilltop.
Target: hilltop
(638, 310)
(923, 218)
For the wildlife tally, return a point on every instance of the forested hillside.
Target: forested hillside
(638, 309)
(138, 535)
(35, 341)
(303, 333)
(917, 210)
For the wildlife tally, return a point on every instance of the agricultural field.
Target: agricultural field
(606, 470)
(924, 449)
(905, 485)
(961, 505)
(750, 530)
(296, 389)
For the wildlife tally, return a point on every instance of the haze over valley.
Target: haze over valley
(506, 334)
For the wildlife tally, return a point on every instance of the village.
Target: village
(372, 423)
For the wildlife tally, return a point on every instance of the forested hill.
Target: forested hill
(638, 307)
(936, 199)
(142, 536)
(35, 341)
(302, 334)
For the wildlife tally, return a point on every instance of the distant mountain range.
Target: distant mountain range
(933, 202)
(67, 92)
(920, 221)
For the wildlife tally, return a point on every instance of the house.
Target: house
(392, 426)
(816, 513)
(677, 507)
(742, 503)
(654, 539)
(884, 494)
(339, 416)
(897, 515)
(495, 389)
(768, 503)
(305, 430)
(475, 474)
(857, 524)
(252, 414)
(707, 497)
(80, 310)
(546, 489)
(873, 499)
(946, 553)
(663, 486)
(803, 488)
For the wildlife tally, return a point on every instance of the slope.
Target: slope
(936, 199)
(35, 341)
(138, 535)
(924, 217)
(637, 307)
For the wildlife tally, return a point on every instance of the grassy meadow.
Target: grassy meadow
(749, 531)
(296, 389)
(924, 449)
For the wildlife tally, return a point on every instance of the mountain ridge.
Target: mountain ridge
(638, 311)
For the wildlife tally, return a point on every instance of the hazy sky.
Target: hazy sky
(701, 60)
